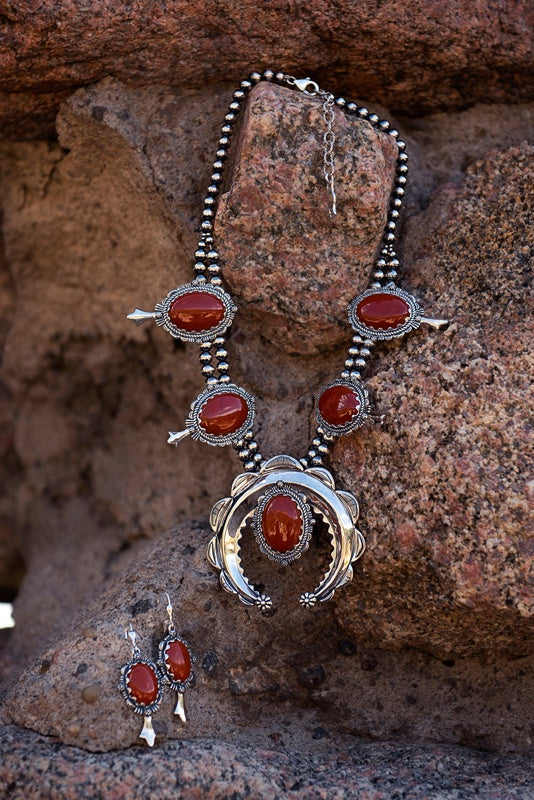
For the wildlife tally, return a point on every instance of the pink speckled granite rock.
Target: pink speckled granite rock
(444, 482)
(406, 54)
(283, 254)
(34, 768)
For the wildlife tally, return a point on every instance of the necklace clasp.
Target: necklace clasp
(305, 85)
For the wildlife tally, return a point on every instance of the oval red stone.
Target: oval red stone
(143, 684)
(178, 660)
(382, 311)
(223, 413)
(338, 404)
(281, 523)
(196, 311)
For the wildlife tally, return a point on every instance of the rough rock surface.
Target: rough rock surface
(32, 767)
(301, 271)
(403, 53)
(450, 465)
(106, 221)
(257, 679)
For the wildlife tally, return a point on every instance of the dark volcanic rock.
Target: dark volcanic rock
(282, 674)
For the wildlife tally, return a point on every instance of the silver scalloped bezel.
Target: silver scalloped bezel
(163, 319)
(307, 523)
(358, 420)
(413, 321)
(197, 431)
(124, 688)
(178, 686)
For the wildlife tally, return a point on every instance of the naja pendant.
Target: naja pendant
(281, 502)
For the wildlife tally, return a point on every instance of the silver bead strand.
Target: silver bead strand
(386, 266)
(207, 267)
(221, 355)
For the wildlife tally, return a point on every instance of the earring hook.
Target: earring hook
(131, 636)
(170, 626)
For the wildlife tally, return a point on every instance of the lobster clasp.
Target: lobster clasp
(306, 85)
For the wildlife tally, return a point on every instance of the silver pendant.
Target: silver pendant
(313, 489)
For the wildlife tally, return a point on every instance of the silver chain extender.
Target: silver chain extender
(307, 86)
(329, 140)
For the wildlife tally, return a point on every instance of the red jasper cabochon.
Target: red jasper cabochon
(281, 523)
(382, 311)
(223, 414)
(178, 660)
(142, 684)
(338, 404)
(196, 311)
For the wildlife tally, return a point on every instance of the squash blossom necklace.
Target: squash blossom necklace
(281, 497)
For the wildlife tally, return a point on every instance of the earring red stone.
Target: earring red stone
(141, 686)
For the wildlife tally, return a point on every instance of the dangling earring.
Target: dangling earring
(175, 662)
(141, 687)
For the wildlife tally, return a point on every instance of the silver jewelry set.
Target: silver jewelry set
(281, 498)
